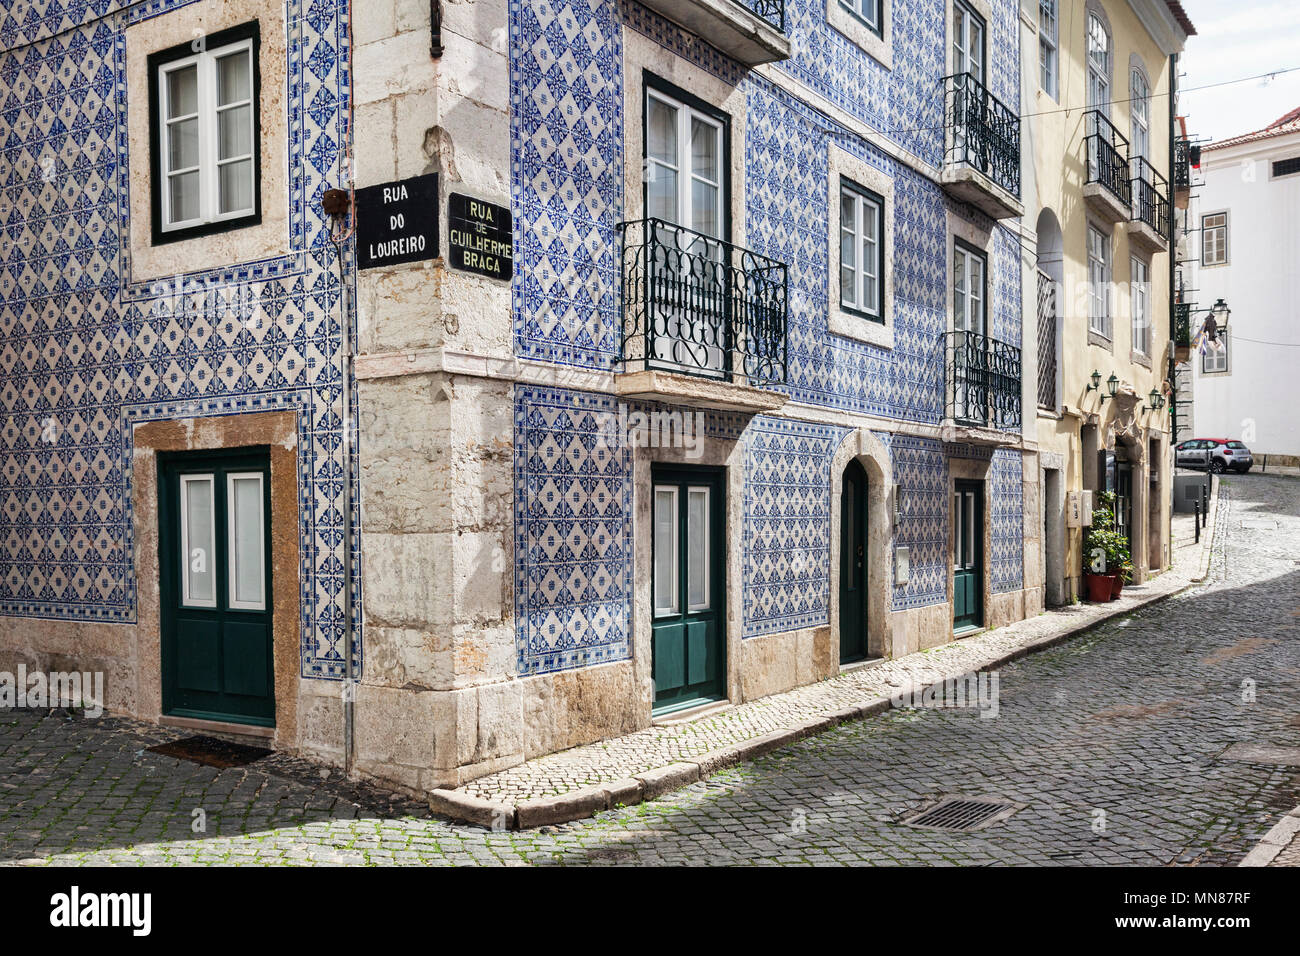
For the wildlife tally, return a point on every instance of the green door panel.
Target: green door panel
(968, 555)
(245, 661)
(216, 660)
(669, 655)
(688, 652)
(198, 660)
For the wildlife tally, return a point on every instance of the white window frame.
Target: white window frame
(691, 608)
(963, 320)
(1098, 72)
(1220, 359)
(1140, 294)
(676, 607)
(1099, 273)
(964, 18)
(863, 205)
(686, 173)
(232, 553)
(1049, 55)
(1140, 114)
(210, 480)
(1222, 231)
(209, 167)
(870, 12)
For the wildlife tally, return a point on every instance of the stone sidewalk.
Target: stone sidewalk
(585, 780)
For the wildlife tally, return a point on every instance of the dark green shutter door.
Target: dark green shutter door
(215, 576)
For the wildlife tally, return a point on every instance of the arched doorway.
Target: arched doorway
(853, 564)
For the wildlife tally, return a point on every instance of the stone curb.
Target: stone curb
(1275, 841)
(651, 784)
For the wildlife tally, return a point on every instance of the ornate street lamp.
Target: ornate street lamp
(1112, 386)
(1096, 381)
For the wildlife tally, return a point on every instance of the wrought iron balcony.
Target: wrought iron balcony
(1181, 333)
(1150, 204)
(983, 381)
(982, 135)
(1182, 164)
(695, 305)
(1109, 182)
(771, 12)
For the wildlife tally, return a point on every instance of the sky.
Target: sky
(1239, 38)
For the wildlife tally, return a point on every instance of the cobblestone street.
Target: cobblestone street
(1112, 745)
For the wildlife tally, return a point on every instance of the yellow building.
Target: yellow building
(1098, 85)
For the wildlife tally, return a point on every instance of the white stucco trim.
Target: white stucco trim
(840, 322)
(878, 46)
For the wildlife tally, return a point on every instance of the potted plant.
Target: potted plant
(1106, 552)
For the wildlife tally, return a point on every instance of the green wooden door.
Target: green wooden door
(688, 634)
(853, 564)
(214, 521)
(968, 555)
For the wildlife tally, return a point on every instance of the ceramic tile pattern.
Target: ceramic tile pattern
(88, 347)
(567, 168)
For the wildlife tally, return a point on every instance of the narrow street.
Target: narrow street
(1112, 746)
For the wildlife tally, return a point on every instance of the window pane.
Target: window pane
(704, 208)
(661, 193)
(197, 541)
(236, 181)
(661, 127)
(235, 132)
(697, 544)
(665, 548)
(704, 150)
(247, 546)
(183, 92)
(184, 195)
(233, 73)
(183, 144)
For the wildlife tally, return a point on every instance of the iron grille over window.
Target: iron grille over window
(697, 305)
(983, 381)
(1046, 341)
(772, 11)
(1150, 197)
(983, 133)
(1108, 157)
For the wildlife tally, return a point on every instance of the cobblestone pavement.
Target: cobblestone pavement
(1111, 743)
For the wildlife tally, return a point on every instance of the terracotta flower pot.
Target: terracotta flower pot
(1101, 587)
(1119, 586)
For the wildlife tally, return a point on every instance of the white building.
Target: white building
(1248, 217)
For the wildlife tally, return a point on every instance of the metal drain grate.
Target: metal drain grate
(211, 752)
(959, 814)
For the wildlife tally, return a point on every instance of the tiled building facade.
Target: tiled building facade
(511, 587)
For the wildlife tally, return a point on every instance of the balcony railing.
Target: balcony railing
(771, 11)
(1046, 341)
(1181, 332)
(983, 381)
(983, 132)
(697, 305)
(1150, 197)
(1182, 164)
(1108, 157)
